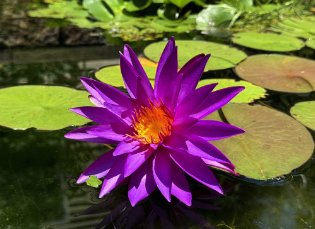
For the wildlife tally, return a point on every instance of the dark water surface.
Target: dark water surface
(39, 168)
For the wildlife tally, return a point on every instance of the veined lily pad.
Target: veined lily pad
(273, 145)
(250, 93)
(310, 43)
(268, 41)
(222, 56)
(295, 27)
(304, 112)
(112, 75)
(279, 73)
(42, 107)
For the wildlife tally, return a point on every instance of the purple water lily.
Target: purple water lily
(159, 132)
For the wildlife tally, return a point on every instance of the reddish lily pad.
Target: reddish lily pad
(279, 73)
(304, 112)
(274, 143)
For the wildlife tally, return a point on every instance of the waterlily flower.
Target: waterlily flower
(160, 132)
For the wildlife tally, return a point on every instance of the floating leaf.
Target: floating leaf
(135, 5)
(93, 181)
(267, 41)
(250, 93)
(310, 43)
(222, 56)
(273, 145)
(42, 107)
(112, 75)
(279, 72)
(304, 112)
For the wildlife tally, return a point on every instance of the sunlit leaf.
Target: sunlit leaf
(304, 112)
(42, 107)
(242, 5)
(97, 9)
(180, 3)
(310, 43)
(250, 93)
(222, 56)
(268, 41)
(274, 144)
(135, 5)
(279, 72)
(93, 182)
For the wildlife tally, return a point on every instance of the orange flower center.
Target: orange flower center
(152, 124)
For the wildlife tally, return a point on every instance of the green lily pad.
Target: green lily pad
(279, 73)
(250, 93)
(112, 75)
(93, 182)
(222, 56)
(295, 28)
(304, 112)
(274, 144)
(42, 107)
(267, 41)
(310, 43)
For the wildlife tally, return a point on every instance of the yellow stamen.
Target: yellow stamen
(152, 124)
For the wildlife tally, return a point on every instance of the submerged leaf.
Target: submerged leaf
(279, 72)
(274, 144)
(304, 112)
(250, 93)
(42, 107)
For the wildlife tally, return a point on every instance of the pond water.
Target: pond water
(39, 168)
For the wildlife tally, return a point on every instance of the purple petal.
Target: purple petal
(215, 100)
(144, 91)
(196, 168)
(97, 114)
(175, 141)
(193, 100)
(129, 75)
(192, 76)
(180, 187)
(142, 183)
(201, 148)
(81, 134)
(170, 98)
(190, 64)
(213, 130)
(167, 76)
(162, 172)
(128, 145)
(90, 87)
(166, 53)
(122, 112)
(99, 167)
(114, 176)
(137, 158)
(112, 95)
(95, 101)
(183, 123)
(114, 131)
(225, 166)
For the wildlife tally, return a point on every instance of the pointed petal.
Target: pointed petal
(182, 124)
(196, 168)
(193, 100)
(142, 183)
(112, 95)
(95, 101)
(166, 53)
(137, 158)
(170, 98)
(167, 76)
(114, 176)
(180, 187)
(144, 91)
(90, 87)
(114, 131)
(162, 172)
(128, 145)
(81, 134)
(97, 114)
(213, 130)
(129, 75)
(192, 76)
(215, 100)
(201, 148)
(99, 167)
(122, 112)
(225, 166)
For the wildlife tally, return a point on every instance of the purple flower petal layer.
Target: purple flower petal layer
(196, 168)
(90, 87)
(141, 183)
(128, 145)
(162, 172)
(99, 167)
(114, 131)
(183, 123)
(213, 130)
(180, 187)
(225, 166)
(95, 101)
(114, 176)
(81, 134)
